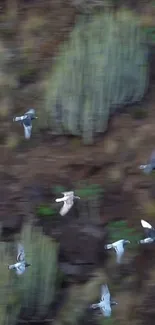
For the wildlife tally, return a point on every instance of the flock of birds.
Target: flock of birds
(68, 201)
(105, 301)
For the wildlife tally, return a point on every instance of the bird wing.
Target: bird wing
(20, 269)
(105, 294)
(106, 310)
(30, 112)
(65, 208)
(60, 200)
(146, 225)
(119, 248)
(149, 230)
(19, 118)
(152, 158)
(27, 131)
(20, 253)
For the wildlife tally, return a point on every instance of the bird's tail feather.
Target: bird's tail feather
(27, 132)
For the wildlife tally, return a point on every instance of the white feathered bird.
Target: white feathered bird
(150, 166)
(118, 246)
(105, 302)
(26, 120)
(150, 232)
(68, 200)
(21, 264)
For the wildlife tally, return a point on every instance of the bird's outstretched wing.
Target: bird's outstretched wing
(105, 294)
(20, 269)
(60, 200)
(20, 253)
(146, 225)
(65, 208)
(149, 230)
(27, 131)
(30, 112)
(119, 248)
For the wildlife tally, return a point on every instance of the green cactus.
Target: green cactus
(102, 66)
(37, 286)
(9, 298)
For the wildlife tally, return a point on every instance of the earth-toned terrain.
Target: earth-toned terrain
(31, 171)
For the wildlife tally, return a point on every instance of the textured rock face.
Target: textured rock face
(81, 249)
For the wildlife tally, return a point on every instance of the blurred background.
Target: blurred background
(88, 69)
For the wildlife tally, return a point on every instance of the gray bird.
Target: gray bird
(150, 166)
(26, 120)
(105, 302)
(21, 264)
(150, 233)
(118, 247)
(68, 200)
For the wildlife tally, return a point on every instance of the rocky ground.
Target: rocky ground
(29, 172)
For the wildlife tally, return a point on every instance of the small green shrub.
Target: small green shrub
(139, 113)
(58, 189)
(89, 192)
(45, 211)
(120, 230)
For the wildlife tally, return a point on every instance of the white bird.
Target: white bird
(105, 302)
(150, 166)
(26, 120)
(68, 200)
(119, 248)
(150, 232)
(21, 265)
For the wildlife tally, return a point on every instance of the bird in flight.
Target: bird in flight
(150, 166)
(26, 120)
(68, 200)
(21, 264)
(118, 246)
(150, 233)
(105, 302)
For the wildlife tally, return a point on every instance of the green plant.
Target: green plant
(38, 285)
(59, 189)
(103, 66)
(139, 113)
(9, 298)
(120, 230)
(45, 211)
(150, 32)
(108, 321)
(90, 191)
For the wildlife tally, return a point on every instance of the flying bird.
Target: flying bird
(105, 302)
(21, 264)
(150, 233)
(150, 166)
(68, 200)
(26, 120)
(118, 247)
